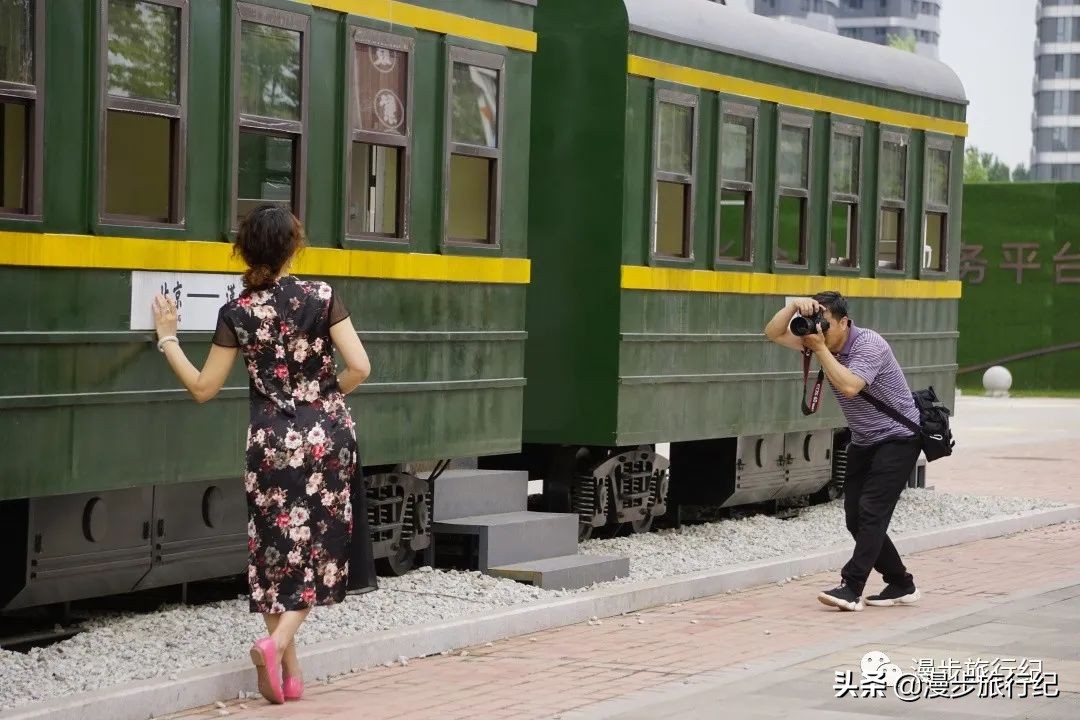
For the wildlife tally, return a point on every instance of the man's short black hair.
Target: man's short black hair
(834, 302)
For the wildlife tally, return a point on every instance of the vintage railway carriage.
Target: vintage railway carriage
(135, 134)
(692, 167)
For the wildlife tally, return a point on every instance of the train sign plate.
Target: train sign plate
(198, 297)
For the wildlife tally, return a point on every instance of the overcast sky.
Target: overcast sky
(990, 44)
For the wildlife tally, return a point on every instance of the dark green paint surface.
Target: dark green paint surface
(92, 405)
(686, 365)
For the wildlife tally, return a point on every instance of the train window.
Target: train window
(20, 116)
(14, 156)
(379, 136)
(474, 158)
(794, 192)
(142, 161)
(893, 194)
(844, 200)
(673, 171)
(17, 50)
(271, 71)
(738, 131)
(936, 219)
(142, 131)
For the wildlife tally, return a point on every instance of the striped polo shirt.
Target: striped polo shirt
(866, 354)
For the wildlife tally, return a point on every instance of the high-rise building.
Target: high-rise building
(738, 4)
(1055, 153)
(818, 14)
(875, 21)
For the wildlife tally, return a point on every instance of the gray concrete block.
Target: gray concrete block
(508, 538)
(464, 493)
(567, 572)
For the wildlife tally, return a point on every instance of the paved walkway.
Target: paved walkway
(1041, 626)
(573, 668)
(771, 652)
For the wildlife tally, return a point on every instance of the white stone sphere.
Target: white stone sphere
(997, 381)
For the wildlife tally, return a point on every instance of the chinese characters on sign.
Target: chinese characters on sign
(198, 297)
(1020, 257)
(997, 678)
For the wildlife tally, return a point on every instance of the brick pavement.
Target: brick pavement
(543, 675)
(577, 667)
(1045, 470)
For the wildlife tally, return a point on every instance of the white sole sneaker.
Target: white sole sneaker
(827, 599)
(909, 599)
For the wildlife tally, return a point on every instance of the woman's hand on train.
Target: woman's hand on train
(164, 316)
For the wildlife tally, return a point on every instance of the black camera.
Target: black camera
(808, 325)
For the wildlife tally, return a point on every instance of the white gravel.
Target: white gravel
(123, 647)
(704, 547)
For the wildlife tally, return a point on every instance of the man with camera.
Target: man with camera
(882, 453)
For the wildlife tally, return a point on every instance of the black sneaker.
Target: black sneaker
(841, 597)
(895, 595)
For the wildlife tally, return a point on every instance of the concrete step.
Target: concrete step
(508, 538)
(467, 493)
(566, 572)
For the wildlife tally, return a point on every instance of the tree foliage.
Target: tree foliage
(980, 167)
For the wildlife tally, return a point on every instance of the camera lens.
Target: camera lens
(801, 326)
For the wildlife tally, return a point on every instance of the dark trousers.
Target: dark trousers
(876, 475)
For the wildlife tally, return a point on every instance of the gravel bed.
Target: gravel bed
(120, 647)
(703, 547)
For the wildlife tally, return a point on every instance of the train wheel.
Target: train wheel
(584, 531)
(397, 563)
(643, 525)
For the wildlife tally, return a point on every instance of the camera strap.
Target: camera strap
(815, 396)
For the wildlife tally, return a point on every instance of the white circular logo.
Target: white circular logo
(383, 60)
(389, 109)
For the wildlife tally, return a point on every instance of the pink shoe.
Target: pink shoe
(264, 657)
(293, 688)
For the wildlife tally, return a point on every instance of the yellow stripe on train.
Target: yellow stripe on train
(647, 67)
(638, 277)
(439, 21)
(119, 253)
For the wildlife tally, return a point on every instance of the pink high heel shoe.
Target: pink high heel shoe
(264, 657)
(293, 688)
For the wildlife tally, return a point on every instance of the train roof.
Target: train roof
(716, 27)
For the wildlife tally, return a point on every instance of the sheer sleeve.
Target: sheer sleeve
(225, 335)
(338, 311)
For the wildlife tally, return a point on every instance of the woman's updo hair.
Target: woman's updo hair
(268, 237)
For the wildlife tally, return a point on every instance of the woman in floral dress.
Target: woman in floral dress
(301, 447)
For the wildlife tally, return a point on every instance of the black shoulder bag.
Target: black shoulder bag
(933, 426)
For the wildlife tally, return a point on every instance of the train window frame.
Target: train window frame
(176, 113)
(849, 128)
(31, 96)
(360, 35)
(683, 99)
(804, 120)
(752, 112)
(942, 144)
(295, 130)
(491, 61)
(894, 136)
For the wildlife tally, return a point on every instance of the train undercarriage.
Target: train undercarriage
(69, 547)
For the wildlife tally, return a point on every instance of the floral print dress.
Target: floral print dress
(301, 448)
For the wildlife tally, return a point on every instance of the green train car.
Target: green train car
(560, 226)
(692, 167)
(135, 135)
(1020, 265)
